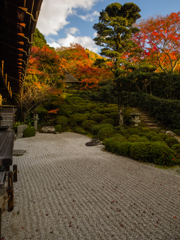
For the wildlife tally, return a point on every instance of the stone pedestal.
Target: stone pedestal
(20, 130)
(36, 118)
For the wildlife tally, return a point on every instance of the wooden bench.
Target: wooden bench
(6, 149)
(6, 160)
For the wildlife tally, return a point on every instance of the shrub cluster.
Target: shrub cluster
(97, 128)
(58, 128)
(88, 124)
(106, 132)
(29, 132)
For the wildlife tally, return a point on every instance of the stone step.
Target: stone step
(151, 124)
(155, 127)
(148, 121)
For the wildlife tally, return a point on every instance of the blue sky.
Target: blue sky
(71, 21)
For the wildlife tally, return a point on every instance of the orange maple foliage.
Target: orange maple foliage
(53, 111)
(78, 61)
(160, 39)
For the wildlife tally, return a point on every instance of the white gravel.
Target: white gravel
(68, 191)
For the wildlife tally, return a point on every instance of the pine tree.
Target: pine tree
(114, 32)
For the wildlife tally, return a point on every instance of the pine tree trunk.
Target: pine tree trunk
(120, 109)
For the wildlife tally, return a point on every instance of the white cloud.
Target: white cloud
(72, 30)
(51, 39)
(85, 42)
(54, 44)
(90, 16)
(54, 13)
(95, 34)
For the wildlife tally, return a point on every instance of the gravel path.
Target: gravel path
(68, 191)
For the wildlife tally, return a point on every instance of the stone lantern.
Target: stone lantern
(135, 118)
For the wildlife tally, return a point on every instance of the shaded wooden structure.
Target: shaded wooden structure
(70, 78)
(18, 22)
(18, 19)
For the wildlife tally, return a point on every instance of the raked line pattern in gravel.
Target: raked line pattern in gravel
(67, 191)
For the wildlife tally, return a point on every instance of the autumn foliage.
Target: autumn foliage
(160, 40)
(79, 62)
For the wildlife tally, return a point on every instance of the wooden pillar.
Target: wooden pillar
(0, 99)
(10, 192)
(2, 67)
(6, 79)
(0, 222)
(15, 172)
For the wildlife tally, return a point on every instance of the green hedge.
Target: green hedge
(58, 128)
(29, 132)
(154, 152)
(176, 149)
(98, 127)
(88, 124)
(80, 130)
(97, 117)
(112, 143)
(108, 120)
(79, 117)
(170, 141)
(164, 110)
(62, 120)
(106, 132)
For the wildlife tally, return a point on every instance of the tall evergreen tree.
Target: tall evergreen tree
(114, 32)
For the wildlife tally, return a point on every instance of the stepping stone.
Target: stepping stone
(18, 152)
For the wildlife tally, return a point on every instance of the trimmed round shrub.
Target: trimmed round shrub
(58, 128)
(142, 139)
(108, 120)
(150, 135)
(91, 106)
(80, 130)
(177, 131)
(111, 143)
(79, 117)
(98, 127)
(88, 114)
(64, 109)
(75, 100)
(88, 124)
(94, 112)
(133, 138)
(170, 141)
(119, 137)
(123, 132)
(154, 152)
(176, 149)
(156, 138)
(106, 132)
(29, 132)
(163, 136)
(62, 120)
(112, 105)
(97, 117)
(79, 108)
(123, 148)
(109, 110)
(133, 131)
(145, 129)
